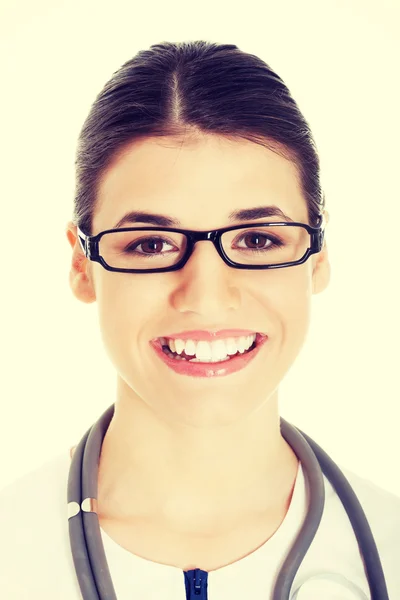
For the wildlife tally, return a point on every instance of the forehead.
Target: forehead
(197, 180)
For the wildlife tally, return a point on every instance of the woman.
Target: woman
(199, 495)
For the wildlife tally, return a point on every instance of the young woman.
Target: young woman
(199, 492)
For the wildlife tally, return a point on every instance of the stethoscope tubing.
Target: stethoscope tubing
(83, 567)
(84, 530)
(355, 512)
(85, 535)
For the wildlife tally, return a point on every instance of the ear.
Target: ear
(80, 275)
(321, 267)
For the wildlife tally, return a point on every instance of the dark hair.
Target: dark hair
(195, 88)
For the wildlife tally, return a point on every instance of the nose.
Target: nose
(206, 285)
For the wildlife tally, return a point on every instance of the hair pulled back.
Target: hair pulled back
(189, 89)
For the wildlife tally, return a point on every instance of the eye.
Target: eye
(155, 243)
(258, 235)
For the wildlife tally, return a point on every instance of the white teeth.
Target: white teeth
(190, 347)
(178, 346)
(206, 350)
(216, 350)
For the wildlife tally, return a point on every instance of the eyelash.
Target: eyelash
(276, 243)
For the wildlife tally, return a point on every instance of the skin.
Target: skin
(197, 456)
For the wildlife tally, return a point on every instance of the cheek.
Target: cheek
(126, 308)
(288, 296)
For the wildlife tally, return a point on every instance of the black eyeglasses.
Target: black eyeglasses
(141, 249)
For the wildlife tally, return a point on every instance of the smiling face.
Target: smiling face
(200, 184)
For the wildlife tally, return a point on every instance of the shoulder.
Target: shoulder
(334, 559)
(35, 498)
(381, 506)
(41, 484)
(382, 510)
(34, 531)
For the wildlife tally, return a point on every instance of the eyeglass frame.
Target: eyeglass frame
(90, 245)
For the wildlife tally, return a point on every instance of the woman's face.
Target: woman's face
(200, 184)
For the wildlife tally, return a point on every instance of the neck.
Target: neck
(182, 475)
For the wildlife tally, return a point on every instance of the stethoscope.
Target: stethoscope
(85, 536)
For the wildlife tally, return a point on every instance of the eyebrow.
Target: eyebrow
(245, 214)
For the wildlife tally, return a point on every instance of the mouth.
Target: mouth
(206, 365)
(192, 358)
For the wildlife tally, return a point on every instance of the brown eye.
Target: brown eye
(150, 245)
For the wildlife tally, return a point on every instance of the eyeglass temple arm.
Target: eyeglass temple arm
(82, 239)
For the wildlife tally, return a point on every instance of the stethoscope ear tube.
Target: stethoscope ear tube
(316, 501)
(77, 538)
(84, 530)
(90, 469)
(358, 520)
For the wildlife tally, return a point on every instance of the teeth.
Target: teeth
(190, 347)
(177, 346)
(216, 350)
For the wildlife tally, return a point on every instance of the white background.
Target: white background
(340, 61)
